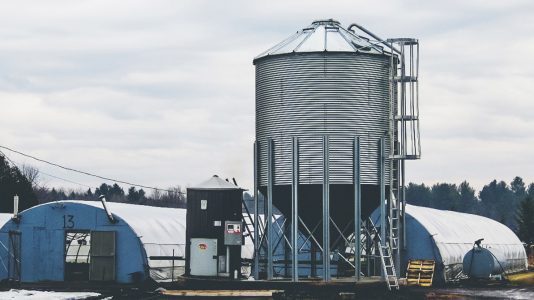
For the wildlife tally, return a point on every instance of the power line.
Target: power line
(67, 180)
(44, 173)
(86, 173)
(12, 162)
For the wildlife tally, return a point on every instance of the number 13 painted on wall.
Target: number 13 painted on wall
(68, 221)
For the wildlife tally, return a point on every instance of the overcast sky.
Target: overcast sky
(162, 92)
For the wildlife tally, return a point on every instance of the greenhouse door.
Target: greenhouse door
(14, 256)
(77, 259)
(102, 256)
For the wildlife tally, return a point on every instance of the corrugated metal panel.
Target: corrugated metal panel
(342, 95)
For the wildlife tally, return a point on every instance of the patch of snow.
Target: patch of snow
(43, 295)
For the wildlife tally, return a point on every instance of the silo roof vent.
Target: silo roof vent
(324, 35)
(215, 183)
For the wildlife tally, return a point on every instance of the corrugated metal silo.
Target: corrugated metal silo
(323, 81)
(327, 110)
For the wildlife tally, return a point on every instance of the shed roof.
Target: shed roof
(216, 183)
(324, 35)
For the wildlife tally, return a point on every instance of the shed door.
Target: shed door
(102, 256)
(203, 257)
(14, 256)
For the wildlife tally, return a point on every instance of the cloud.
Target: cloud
(162, 92)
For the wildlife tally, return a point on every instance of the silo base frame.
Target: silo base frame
(288, 235)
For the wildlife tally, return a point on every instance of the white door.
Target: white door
(203, 257)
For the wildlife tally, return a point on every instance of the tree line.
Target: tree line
(511, 204)
(171, 197)
(25, 182)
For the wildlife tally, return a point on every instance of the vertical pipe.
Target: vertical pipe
(287, 247)
(172, 271)
(313, 259)
(382, 181)
(401, 215)
(403, 204)
(269, 212)
(326, 211)
(256, 216)
(357, 209)
(295, 212)
(368, 247)
(228, 270)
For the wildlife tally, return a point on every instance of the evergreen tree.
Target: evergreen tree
(13, 182)
(518, 188)
(468, 201)
(445, 196)
(530, 190)
(418, 194)
(135, 196)
(498, 202)
(525, 220)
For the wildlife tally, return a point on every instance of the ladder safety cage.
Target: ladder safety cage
(404, 94)
(403, 133)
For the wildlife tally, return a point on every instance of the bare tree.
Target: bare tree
(31, 173)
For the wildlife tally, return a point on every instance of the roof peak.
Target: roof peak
(215, 183)
(326, 22)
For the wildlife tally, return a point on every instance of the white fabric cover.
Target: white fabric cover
(454, 234)
(160, 229)
(4, 217)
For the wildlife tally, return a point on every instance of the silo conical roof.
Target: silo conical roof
(324, 35)
(216, 183)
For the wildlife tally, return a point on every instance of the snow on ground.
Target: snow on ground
(41, 295)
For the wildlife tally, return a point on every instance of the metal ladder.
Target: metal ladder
(403, 132)
(386, 259)
(388, 267)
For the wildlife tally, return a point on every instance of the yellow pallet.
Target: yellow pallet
(420, 272)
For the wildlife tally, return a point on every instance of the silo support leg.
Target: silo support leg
(326, 210)
(294, 211)
(269, 211)
(256, 217)
(357, 209)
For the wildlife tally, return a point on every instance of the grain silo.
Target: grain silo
(336, 116)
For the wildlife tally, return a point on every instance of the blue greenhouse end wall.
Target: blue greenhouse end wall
(420, 245)
(43, 229)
